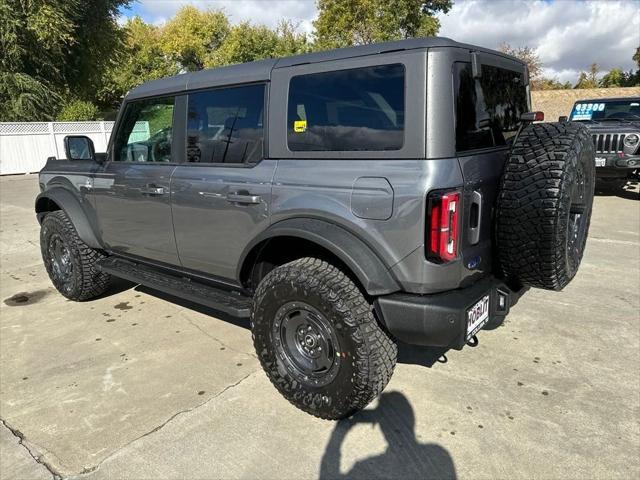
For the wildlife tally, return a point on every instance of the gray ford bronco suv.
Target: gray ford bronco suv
(342, 200)
(614, 124)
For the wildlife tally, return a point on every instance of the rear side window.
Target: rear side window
(146, 131)
(488, 109)
(225, 125)
(347, 110)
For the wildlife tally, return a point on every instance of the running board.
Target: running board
(232, 303)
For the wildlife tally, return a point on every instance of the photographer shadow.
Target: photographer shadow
(404, 457)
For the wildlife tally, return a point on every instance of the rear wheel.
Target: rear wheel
(318, 341)
(544, 205)
(70, 263)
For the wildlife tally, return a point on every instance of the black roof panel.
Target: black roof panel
(261, 70)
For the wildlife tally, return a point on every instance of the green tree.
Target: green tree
(246, 43)
(141, 59)
(342, 23)
(190, 36)
(78, 111)
(614, 78)
(52, 50)
(633, 79)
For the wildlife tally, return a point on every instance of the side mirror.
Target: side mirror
(563, 118)
(79, 147)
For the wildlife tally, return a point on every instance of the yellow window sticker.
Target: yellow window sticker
(300, 126)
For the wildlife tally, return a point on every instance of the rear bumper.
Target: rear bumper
(440, 320)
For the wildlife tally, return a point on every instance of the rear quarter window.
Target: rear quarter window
(360, 109)
(488, 108)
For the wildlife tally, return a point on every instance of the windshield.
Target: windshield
(597, 111)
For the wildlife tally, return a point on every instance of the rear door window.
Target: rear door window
(488, 108)
(225, 125)
(347, 110)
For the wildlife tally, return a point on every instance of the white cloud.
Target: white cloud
(569, 35)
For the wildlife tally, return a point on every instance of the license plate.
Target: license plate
(601, 161)
(477, 316)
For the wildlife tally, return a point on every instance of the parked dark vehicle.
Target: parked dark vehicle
(342, 200)
(614, 124)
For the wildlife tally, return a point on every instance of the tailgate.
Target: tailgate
(481, 173)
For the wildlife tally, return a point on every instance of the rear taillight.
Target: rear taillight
(443, 215)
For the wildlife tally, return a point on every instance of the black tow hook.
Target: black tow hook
(473, 341)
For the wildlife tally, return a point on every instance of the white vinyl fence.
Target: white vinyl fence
(25, 147)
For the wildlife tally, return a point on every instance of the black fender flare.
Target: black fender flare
(365, 264)
(72, 206)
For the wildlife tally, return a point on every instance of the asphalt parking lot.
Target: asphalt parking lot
(135, 386)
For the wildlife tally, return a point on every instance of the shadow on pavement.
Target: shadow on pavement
(423, 356)
(404, 458)
(239, 322)
(118, 285)
(629, 192)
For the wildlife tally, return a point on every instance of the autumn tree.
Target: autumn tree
(530, 57)
(141, 59)
(588, 79)
(190, 36)
(342, 23)
(246, 43)
(551, 84)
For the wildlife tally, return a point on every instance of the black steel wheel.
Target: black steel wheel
(70, 263)
(307, 343)
(59, 258)
(318, 340)
(579, 215)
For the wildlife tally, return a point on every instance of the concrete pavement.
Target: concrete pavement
(138, 385)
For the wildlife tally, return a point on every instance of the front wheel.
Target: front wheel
(318, 341)
(70, 263)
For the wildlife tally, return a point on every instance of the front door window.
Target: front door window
(146, 131)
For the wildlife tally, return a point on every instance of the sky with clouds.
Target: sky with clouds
(569, 35)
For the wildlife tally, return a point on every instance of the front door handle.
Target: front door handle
(153, 190)
(244, 198)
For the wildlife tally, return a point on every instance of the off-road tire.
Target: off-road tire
(539, 243)
(366, 354)
(84, 280)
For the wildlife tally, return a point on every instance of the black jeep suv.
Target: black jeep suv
(615, 127)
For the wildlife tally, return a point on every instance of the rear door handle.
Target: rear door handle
(153, 190)
(244, 198)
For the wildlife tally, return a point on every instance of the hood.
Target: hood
(613, 127)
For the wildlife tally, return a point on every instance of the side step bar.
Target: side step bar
(232, 303)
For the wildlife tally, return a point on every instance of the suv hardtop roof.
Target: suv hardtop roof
(260, 71)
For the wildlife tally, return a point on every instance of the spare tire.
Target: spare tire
(544, 205)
